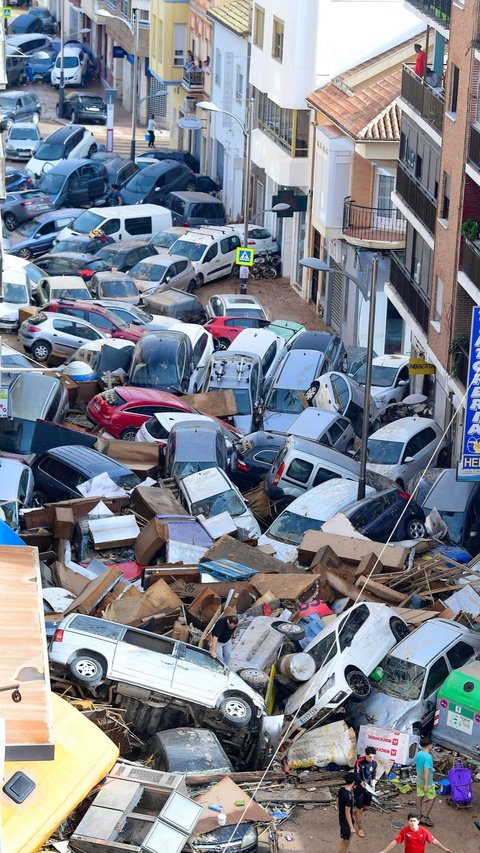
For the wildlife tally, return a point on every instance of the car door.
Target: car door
(341, 434)
(417, 452)
(402, 383)
(64, 336)
(355, 647)
(77, 189)
(211, 264)
(198, 677)
(56, 480)
(147, 660)
(43, 238)
(180, 276)
(436, 675)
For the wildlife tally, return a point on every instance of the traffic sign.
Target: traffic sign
(244, 257)
(6, 12)
(420, 367)
(4, 394)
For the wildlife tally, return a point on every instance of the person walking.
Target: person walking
(151, 127)
(425, 783)
(222, 635)
(365, 775)
(345, 811)
(115, 197)
(414, 837)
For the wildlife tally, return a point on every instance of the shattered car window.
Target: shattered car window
(227, 501)
(401, 678)
(324, 651)
(289, 527)
(97, 626)
(384, 452)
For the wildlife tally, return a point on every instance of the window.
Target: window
(239, 84)
(179, 43)
(265, 456)
(139, 225)
(418, 167)
(66, 327)
(454, 81)
(352, 625)
(109, 227)
(335, 432)
(437, 313)
(288, 128)
(143, 17)
(436, 676)
(212, 253)
(277, 39)
(199, 349)
(218, 67)
(322, 475)
(446, 196)
(124, 8)
(258, 26)
(459, 654)
(299, 470)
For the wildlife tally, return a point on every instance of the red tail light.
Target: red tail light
(241, 465)
(26, 203)
(33, 329)
(58, 635)
(281, 469)
(186, 224)
(404, 495)
(85, 272)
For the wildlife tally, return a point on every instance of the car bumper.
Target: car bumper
(92, 117)
(9, 325)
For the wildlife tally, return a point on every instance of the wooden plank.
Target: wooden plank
(227, 548)
(294, 795)
(288, 587)
(347, 589)
(380, 590)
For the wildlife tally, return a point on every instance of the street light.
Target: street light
(321, 266)
(133, 26)
(277, 208)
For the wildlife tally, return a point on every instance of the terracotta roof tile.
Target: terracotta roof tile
(234, 14)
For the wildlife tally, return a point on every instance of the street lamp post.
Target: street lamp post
(321, 266)
(61, 87)
(133, 26)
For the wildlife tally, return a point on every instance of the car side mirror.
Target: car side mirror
(402, 382)
(408, 459)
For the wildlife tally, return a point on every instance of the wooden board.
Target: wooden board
(289, 587)
(247, 555)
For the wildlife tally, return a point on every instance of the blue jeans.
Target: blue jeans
(224, 652)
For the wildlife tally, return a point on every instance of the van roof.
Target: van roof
(320, 451)
(129, 209)
(402, 430)
(430, 638)
(327, 498)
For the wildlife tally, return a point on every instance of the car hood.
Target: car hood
(247, 526)
(385, 711)
(130, 197)
(9, 311)
(277, 421)
(385, 470)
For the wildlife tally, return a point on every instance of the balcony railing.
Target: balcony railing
(437, 10)
(474, 146)
(416, 197)
(414, 298)
(375, 224)
(193, 81)
(471, 260)
(428, 102)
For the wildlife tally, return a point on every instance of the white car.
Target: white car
(157, 429)
(53, 287)
(346, 652)
(260, 239)
(402, 449)
(390, 379)
(15, 296)
(234, 305)
(310, 511)
(71, 142)
(210, 492)
(16, 489)
(94, 358)
(94, 650)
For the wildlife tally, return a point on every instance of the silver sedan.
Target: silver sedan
(162, 272)
(48, 334)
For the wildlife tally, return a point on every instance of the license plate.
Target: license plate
(459, 722)
(308, 715)
(93, 109)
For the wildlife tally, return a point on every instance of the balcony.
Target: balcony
(414, 298)
(470, 262)
(474, 147)
(439, 11)
(379, 227)
(427, 102)
(193, 81)
(416, 198)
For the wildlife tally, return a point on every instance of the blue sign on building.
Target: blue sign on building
(469, 466)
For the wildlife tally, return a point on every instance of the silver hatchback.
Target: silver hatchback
(162, 272)
(22, 141)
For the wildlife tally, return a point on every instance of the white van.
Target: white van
(75, 64)
(126, 222)
(211, 251)
(269, 347)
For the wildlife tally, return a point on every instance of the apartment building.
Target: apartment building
(355, 152)
(168, 52)
(435, 282)
(296, 48)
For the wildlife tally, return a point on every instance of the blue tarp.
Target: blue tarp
(8, 536)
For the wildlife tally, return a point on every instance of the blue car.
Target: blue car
(17, 180)
(36, 236)
(40, 65)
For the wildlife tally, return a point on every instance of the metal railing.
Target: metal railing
(438, 10)
(193, 81)
(414, 298)
(470, 262)
(428, 102)
(380, 224)
(416, 197)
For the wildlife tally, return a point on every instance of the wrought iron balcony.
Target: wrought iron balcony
(193, 81)
(380, 225)
(416, 197)
(470, 262)
(438, 10)
(474, 146)
(412, 295)
(428, 102)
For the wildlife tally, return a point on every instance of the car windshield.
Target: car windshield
(227, 501)
(51, 183)
(50, 151)
(285, 400)
(87, 222)
(117, 288)
(34, 273)
(70, 293)
(162, 374)
(68, 246)
(242, 399)
(384, 452)
(401, 678)
(382, 377)
(15, 293)
(453, 520)
(141, 183)
(164, 240)
(126, 481)
(324, 651)
(68, 62)
(290, 527)
(188, 249)
(149, 272)
(23, 133)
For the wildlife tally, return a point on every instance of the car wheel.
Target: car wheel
(128, 434)
(358, 684)
(398, 628)
(344, 364)
(57, 110)
(191, 187)
(73, 117)
(222, 343)
(10, 221)
(415, 529)
(312, 392)
(36, 118)
(235, 711)
(255, 678)
(87, 669)
(8, 123)
(192, 285)
(41, 350)
(199, 279)
(91, 150)
(25, 253)
(293, 632)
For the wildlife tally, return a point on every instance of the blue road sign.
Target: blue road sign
(244, 257)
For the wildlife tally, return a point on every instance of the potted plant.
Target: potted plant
(470, 229)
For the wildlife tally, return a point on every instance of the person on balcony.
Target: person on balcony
(420, 61)
(431, 78)
(189, 64)
(206, 65)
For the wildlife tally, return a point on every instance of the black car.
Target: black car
(84, 109)
(335, 353)
(70, 264)
(149, 185)
(26, 24)
(253, 456)
(162, 360)
(58, 472)
(387, 515)
(205, 184)
(81, 245)
(123, 256)
(168, 154)
(35, 237)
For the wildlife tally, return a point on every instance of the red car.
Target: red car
(98, 316)
(122, 411)
(224, 330)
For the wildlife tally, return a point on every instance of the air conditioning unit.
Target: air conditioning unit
(189, 105)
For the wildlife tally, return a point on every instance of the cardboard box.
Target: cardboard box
(349, 549)
(63, 522)
(149, 501)
(150, 540)
(143, 459)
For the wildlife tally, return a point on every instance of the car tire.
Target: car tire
(91, 150)
(128, 434)
(257, 679)
(222, 344)
(87, 669)
(358, 684)
(25, 254)
(292, 632)
(57, 110)
(415, 529)
(192, 286)
(344, 364)
(73, 117)
(398, 629)
(235, 711)
(10, 221)
(199, 279)
(36, 118)
(191, 187)
(41, 351)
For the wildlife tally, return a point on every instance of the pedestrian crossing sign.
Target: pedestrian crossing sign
(6, 12)
(244, 257)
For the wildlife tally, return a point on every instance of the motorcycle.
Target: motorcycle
(268, 265)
